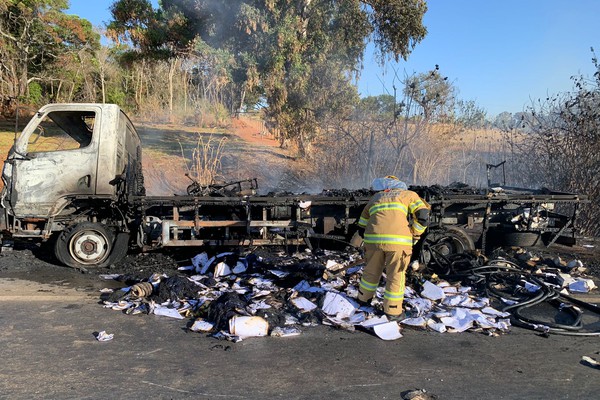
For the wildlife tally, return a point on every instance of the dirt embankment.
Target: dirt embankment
(248, 151)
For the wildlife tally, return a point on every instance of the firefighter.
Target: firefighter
(391, 223)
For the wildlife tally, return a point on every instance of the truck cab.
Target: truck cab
(68, 166)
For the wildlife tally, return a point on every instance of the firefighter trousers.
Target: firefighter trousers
(394, 263)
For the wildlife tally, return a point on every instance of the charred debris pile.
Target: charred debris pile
(238, 295)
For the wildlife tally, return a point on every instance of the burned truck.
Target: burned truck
(73, 178)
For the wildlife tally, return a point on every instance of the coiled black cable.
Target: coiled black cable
(498, 272)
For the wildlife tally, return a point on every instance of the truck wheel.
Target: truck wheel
(443, 245)
(85, 244)
(452, 240)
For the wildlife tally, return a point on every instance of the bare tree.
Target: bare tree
(559, 145)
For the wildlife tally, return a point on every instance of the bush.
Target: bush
(34, 93)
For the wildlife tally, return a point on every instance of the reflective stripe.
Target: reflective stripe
(368, 286)
(388, 239)
(418, 227)
(362, 222)
(417, 204)
(388, 206)
(393, 295)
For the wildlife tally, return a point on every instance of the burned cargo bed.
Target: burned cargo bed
(504, 215)
(462, 218)
(248, 220)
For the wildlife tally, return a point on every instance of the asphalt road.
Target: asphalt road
(48, 316)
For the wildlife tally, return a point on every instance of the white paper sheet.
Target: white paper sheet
(436, 326)
(285, 332)
(388, 331)
(419, 322)
(303, 304)
(201, 325)
(199, 260)
(432, 292)
(582, 285)
(222, 269)
(239, 268)
(167, 312)
(338, 305)
(369, 323)
(102, 336)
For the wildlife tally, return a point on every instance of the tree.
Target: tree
(432, 92)
(560, 144)
(33, 35)
(297, 55)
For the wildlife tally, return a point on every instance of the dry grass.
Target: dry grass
(238, 155)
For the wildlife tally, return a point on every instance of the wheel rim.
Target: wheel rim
(440, 247)
(89, 247)
(450, 245)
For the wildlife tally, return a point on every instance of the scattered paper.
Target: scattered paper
(201, 325)
(436, 326)
(432, 292)
(109, 277)
(591, 362)
(582, 285)
(460, 321)
(259, 305)
(167, 312)
(222, 269)
(369, 323)
(494, 312)
(338, 305)
(531, 288)
(303, 304)
(304, 286)
(199, 261)
(388, 331)
(565, 280)
(333, 265)
(102, 336)
(239, 268)
(416, 322)
(285, 332)
(278, 273)
(419, 306)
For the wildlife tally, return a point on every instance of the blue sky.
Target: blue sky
(501, 54)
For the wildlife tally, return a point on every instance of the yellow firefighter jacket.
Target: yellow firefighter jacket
(389, 219)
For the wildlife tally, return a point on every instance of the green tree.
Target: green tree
(33, 35)
(299, 55)
(382, 106)
(432, 92)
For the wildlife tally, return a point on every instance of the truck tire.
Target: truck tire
(120, 248)
(521, 239)
(441, 246)
(451, 240)
(86, 244)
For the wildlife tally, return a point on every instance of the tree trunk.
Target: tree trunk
(172, 67)
(369, 159)
(102, 84)
(185, 91)
(242, 98)
(23, 81)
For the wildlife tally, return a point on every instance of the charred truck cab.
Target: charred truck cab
(74, 177)
(67, 173)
